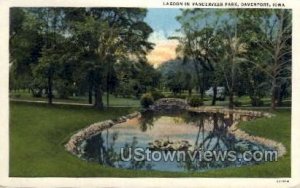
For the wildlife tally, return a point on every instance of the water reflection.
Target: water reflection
(204, 132)
(101, 149)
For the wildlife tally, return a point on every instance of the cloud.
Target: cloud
(157, 36)
(164, 49)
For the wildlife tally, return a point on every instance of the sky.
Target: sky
(164, 24)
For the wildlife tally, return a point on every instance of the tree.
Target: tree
(270, 40)
(51, 21)
(135, 78)
(233, 53)
(276, 42)
(25, 47)
(106, 36)
(178, 75)
(229, 43)
(200, 44)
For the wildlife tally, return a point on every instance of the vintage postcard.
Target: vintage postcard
(149, 93)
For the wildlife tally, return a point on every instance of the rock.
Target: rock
(255, 148)
(169, 104)
(169, 147)
(166, 145)
(176, 146)
(77, 140)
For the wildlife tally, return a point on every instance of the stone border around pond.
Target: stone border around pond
(239, 114)
(73, 145)
(236, 112)
(277, 146)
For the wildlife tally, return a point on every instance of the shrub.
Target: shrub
(195, 101)
(16, 95)
(157, 95)
(37, 93)
(64, 89)
(147, 100)
(237, 103)
(257, 102)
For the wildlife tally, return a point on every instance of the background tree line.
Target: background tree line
(60, 52)
(70, 51)
(248, 51)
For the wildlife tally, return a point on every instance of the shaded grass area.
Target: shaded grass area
(244, 101)
(38, 131)
(113, 101)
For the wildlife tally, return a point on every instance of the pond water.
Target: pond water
(144, 143)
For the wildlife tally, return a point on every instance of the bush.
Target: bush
(16, 95)
(64, 89)
(147, 100)
(237, 103)
(157, 95)
(195, 101)
(257, 102)
(37, 93)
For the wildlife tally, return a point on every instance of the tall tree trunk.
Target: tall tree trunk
(198, 77)
(107, 98)
(231, 99)
(204, 81)
(273, 97)
(233, 72)
(202, 90)
(98, 97)
(190, 92)
(50, 96)
(107, 88)
(281, 92)
(232, 84)
(214, 99)
(90, 94)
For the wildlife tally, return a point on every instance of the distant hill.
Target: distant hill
(176, 65)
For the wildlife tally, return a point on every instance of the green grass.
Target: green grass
(246, 101)
(130, 102)
(38, 131)
(113, 101)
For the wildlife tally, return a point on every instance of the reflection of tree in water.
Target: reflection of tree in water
(212, 135)
(217, 139)
(148, 117)
(99, 149)
(134, 164)
(146, 120)
(219, 134)
(219, 124)
(219, 130)
(102, 150)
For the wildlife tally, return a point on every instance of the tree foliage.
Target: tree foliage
(65, 51)
(249, 51)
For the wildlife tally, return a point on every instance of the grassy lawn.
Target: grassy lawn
(113, 101)
(244, 100)
(130, 102)
(38, 131)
